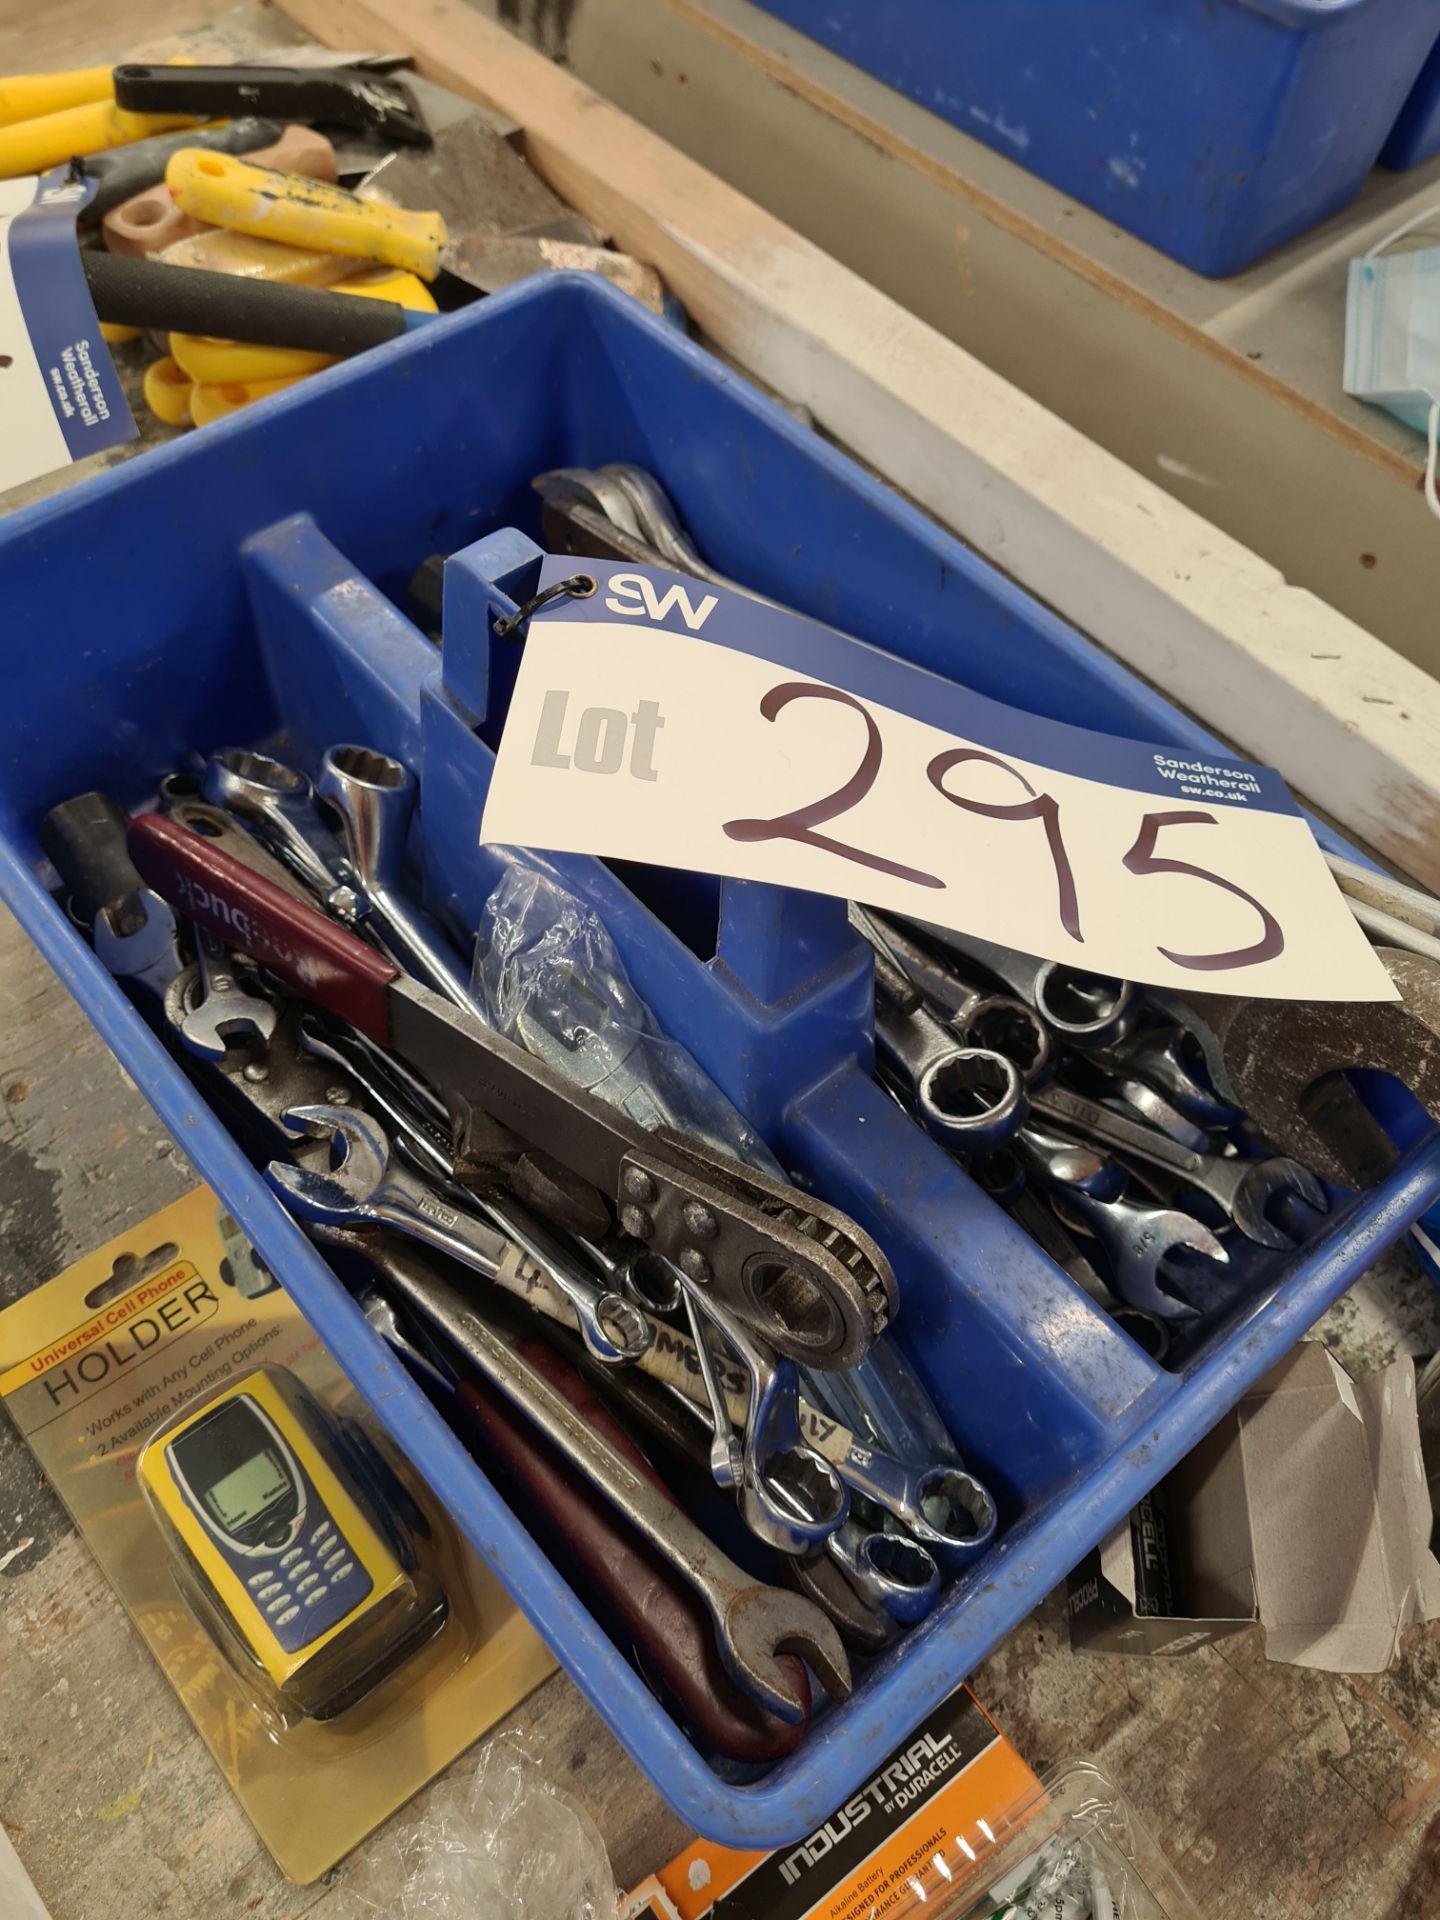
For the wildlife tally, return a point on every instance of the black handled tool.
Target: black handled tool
(227, 306)
(123, 171)
(336, 97)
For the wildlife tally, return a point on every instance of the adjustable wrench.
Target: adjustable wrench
(752, 1622)
(1241, 1188)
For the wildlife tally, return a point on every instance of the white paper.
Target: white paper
(633, 739)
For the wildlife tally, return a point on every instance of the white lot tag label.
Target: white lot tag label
(669, 721)
(60, 396)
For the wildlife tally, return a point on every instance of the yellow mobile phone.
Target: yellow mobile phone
(292, 1563)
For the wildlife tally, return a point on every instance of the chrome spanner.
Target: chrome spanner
(976, 1015)
(366, 1185)
(753, 1622)
(375, 797)
(940, 1506)
(1170, 1062)
(1083, 1008)
(790, 1495)
(223, 1011)
(967, 1098)
(278, 802)
(895, 1575)
(1242, 1188)
(1136, 1239)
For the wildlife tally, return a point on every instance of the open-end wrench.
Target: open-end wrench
(223, 1011)
(375, 798)
(753, 1622)
(366, 1185)
(1283, 1062)
(1242, 1188)
(1088, 1185)
(658, 1614)
(791, 1496)
(279, 804)
(133, 929)
(893, 1574)
(1003, 1177)
(975, 1014)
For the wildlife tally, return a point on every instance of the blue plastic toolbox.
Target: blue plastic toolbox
(242, 585)
(1416, 134)
(1215, 129)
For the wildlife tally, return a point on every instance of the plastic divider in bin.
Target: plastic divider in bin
(344, 665)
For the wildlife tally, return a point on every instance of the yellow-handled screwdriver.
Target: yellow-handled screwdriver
(230, 192)
(31, 146)
(26, 96)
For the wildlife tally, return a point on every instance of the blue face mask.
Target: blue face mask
(1392, 337)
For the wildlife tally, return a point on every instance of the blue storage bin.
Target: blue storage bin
(1416, 134)
(242, 584)
(1214, 130)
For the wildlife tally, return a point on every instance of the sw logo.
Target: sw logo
(638, 598)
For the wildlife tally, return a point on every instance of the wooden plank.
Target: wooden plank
(1271, 667)
(1225, 393)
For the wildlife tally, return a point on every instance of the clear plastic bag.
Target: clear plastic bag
(499, 1844)
(551, 979)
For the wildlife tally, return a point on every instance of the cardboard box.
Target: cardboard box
(1305, 1509)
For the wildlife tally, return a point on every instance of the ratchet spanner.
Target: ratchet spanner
(367, 1185)
(814, 1283)
(1242, 1188)
(752, 1622)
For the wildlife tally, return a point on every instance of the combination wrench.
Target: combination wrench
(752, 1621)
(365, 1185)
(1085, 1184)
(1242, 1188)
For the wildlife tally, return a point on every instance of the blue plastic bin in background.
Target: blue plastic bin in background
(1215, 129)
(241, 585)
(1416, 134)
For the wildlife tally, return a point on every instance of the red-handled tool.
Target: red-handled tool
(658, 1613)
(799, 1272)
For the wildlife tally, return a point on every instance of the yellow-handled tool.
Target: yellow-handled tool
(25, 96)
(218, 363)
(230, 192)
(30, 146)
